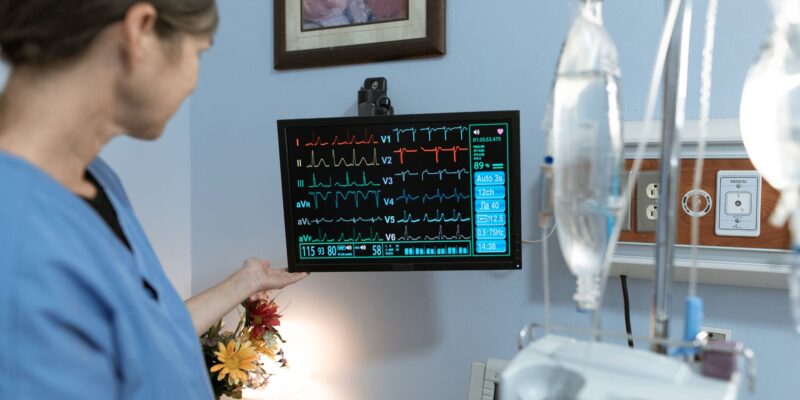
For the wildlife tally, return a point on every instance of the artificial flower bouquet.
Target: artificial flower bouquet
(241, 359)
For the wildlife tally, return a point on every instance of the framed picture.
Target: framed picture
(315, 33)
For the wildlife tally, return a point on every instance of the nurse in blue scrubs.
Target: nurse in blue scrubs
(86, 311)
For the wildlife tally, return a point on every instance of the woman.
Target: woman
(85, 308)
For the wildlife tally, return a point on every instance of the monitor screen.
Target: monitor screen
(404, 192)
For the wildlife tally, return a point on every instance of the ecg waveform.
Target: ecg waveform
(439, 149)
(406, 236)
(439, 236)
(317, 221)
(346, 184)
(407, 218)
(344, 195)
(444, 131)
(402, 151)
(354, 220)
(440, 173)
(439, 217)
(436, 150)
(352, 140)
(438, 195)
(324, 238)
(442, 236)
(337, 161)
(399, 132)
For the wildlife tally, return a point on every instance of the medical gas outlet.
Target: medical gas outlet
(739, 203)
(696, 203)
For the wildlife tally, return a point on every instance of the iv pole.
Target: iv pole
(669, 170)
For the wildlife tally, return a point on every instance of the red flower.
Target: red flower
(263, 315)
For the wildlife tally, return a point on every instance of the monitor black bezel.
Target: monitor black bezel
(510, 262)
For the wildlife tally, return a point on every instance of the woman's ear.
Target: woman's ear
(138, 26)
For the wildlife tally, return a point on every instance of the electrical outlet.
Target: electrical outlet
(717, 333)
(651, 191)
(651, 213)
(647, 201)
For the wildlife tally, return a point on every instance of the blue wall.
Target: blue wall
(413, 335)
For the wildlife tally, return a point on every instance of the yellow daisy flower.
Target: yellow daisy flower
(263, 348)
(236, 360)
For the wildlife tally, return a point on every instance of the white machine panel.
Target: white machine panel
(484, 378)
(739, 203)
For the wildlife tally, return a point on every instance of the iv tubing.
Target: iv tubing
(544, 237)
(705, 107)
(546, 279)
(658, 70)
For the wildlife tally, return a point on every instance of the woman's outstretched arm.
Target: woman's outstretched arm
(253, 277)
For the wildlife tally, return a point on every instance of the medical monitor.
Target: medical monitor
(403, 192)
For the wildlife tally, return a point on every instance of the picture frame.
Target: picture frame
(420, 34)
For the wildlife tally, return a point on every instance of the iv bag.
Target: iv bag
(587, 150)
(769, 117)
(770, 107)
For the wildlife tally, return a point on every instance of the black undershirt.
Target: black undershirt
(102, 205)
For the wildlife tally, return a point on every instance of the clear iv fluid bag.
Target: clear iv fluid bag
(770, 106)
(587, 150)
(769, 117)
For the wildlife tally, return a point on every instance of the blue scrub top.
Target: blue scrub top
(75, 319)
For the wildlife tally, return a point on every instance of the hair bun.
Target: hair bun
(21, 52)
(46, 31)
(30, 51)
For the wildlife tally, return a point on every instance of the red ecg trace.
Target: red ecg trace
(438, 149)
(402, 152)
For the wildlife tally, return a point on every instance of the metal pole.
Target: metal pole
(673, 118)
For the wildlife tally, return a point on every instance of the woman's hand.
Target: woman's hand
(253, 277)
(260, 276)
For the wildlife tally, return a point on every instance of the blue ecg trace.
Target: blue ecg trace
(436, 196)
(446, 130)
(347, 183)
(344, 195)
(440, 173)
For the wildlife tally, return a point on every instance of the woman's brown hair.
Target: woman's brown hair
(39, 32)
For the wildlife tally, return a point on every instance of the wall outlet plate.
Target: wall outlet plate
(647, 194)
(738, 204)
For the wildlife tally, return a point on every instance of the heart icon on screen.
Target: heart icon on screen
(500, 131)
